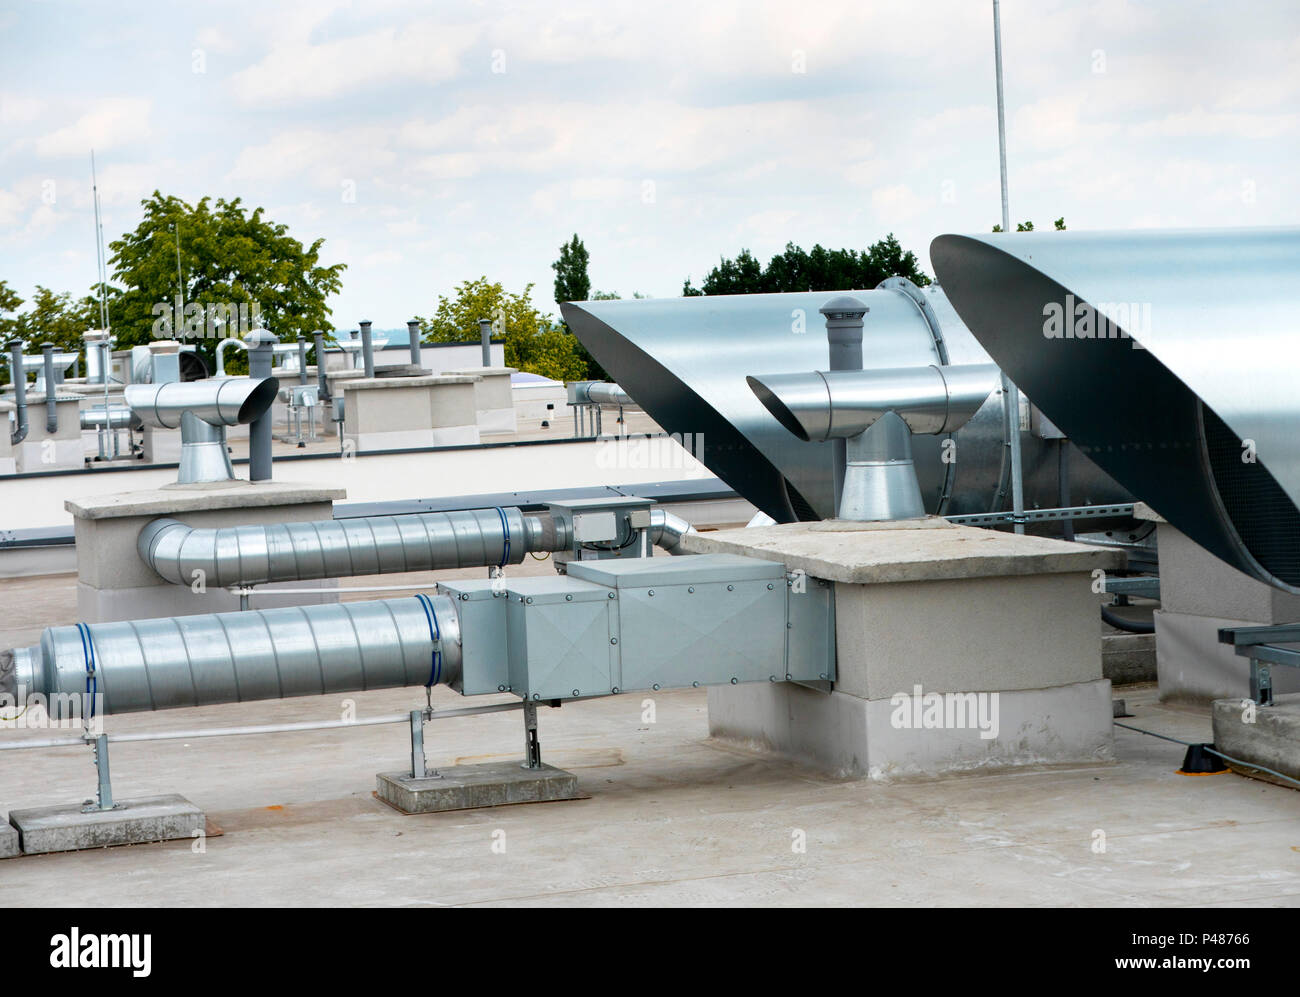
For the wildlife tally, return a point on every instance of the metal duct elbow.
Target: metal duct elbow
(1168, 357)
(667, 530)
(839, 404)
(19, 377)
(228, 402)
(341, 548)
(185, 661)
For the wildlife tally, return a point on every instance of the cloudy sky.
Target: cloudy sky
(429, 143)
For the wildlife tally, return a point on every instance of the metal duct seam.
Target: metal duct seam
(340, 548)
(244, 656)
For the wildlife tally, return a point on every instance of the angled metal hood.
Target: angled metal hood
(1169, 357)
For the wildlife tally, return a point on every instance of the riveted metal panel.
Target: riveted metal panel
(810, 636)
(481, 606)
(702, 633)
(563, 638)
(698, 569)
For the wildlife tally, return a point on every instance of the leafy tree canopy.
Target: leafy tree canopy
(533, 341)
(50, 318)
(818, 269)
(236, 267)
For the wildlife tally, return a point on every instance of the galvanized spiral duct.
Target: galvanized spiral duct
(238, 657)
(340, 548)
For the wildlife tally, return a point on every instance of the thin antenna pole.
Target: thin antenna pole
(1010, 393)
(99, 245)
(180, 281)
(1002, 115)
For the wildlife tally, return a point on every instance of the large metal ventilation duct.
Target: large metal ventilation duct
(202, 410)
(685, 360)
(838, 404)
(341, 548)
(877, 412)
(237, 657)
(1169, 357)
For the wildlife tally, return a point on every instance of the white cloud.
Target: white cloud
(423, 51)
(109, 123)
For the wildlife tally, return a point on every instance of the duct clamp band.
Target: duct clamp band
(435, 636)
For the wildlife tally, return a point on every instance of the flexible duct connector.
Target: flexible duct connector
(342, 548)
(667, 530)
(240, 657)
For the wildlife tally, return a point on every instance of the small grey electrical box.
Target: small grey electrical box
(595, 527)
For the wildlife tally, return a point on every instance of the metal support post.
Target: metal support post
(417, 745)
(1261, 682)
(104, 790)
(532, 746)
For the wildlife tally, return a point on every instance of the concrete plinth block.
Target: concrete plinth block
(8, 841)
(468, 787)
(1260, 735)
(66, 828)
(885, 739)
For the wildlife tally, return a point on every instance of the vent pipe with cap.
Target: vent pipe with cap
(19, 377)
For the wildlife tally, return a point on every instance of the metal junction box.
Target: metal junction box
(695, 620)
(609, 527)
(563, 638)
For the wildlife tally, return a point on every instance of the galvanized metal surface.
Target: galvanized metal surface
(338, 548)
(1169, 357)
(684, 360)
(237, 657)
(219, 402)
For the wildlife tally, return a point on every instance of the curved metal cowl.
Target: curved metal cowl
(340, 548)
(221, 402)
(238, 657)
(684, 361)
(838, 404)
(1168, 357)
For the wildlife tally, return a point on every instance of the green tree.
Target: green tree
(571, 280)
(572, 283)
(533, 341)
(818, 269)
(58, 319)
(229, 257)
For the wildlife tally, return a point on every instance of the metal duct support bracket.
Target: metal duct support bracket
(202, 410)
